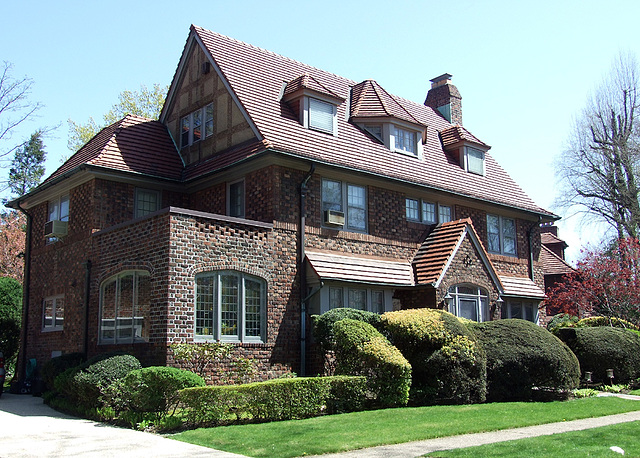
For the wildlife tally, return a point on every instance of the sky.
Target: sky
(524, 69)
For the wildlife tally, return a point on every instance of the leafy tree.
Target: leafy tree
(146, 102)
(10, 318)
(606, 283)
(599, 169)
(27, 167)
(12, 240)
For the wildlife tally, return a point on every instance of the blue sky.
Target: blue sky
(524, 70)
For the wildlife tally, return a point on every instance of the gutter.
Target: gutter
(303, 277)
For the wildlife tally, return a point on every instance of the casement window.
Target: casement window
(53, 313)
(59, 209)
(196, 126)
(501, 235)
(235, 200)
(525, 310)
(320, 115)
(346, 201)
(474, 160)
(146, 201)
(426, 212)
(359, 298)
(404, 141)
(125, 303)
(468, 301)
(230, 306)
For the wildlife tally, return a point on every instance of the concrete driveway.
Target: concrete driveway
(29, 428)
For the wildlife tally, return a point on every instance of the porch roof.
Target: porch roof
(521, 287)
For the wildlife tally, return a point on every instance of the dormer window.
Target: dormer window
(375, 130)
(474, 160)
(404, 141)
(321, 115)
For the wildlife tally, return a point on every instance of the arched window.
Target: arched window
(230, 306)
(125, 301)
(469, 301)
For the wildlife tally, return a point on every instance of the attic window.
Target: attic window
(474, 160)
(375, 130)
(320, 115)
(404, 141)
(191, 126)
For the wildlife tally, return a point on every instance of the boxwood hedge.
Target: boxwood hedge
(323, 324)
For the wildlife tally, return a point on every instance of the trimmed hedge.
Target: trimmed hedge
(602, 348)
(595, 321)
(525, 361)
(56, 366)
(323, 324)
(278, 399)
(362, 350)
(448, 365)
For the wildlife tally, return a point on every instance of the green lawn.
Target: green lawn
(592, 442)
(356, 430)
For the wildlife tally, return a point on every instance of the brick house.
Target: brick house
(269, 191)
(554, 265)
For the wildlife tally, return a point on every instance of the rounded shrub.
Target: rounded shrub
(56, 366)
(447, 363)
(362, 350)
(525, 361)
(323, 324)
(561, 320)
(602, 348)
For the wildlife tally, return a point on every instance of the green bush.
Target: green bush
(151, 389)
(10, 319)
(362, 350)
(279, 399)
(56, 366)
(602, 348)
(561, 320)
(596, 321)
(448, 365)
(525, 361)
(323, 324)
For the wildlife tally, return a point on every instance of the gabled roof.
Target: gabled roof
(309, 83)
(132, 144)
(437, 252)
(458, 134)
(548, 238)
(552, 264)
(370, 100)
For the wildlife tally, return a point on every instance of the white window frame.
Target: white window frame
(347, 205)
(215, 310)
(502, 227)
(480, 298)
(53, 323)
(468, 151)
(141, 210)
(510, 310)
(137, 322)
(309, 118)
(404, 141)
(205, 117)
(230, 208)
(438, 211)
(59, 208)
(340, 295)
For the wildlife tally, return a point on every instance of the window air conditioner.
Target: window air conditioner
(55, 228)
(334, 217)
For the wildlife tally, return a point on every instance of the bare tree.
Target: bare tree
(599, 169)
(15, 107)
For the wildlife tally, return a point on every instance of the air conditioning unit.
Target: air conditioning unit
(55, 228)
(334, 218)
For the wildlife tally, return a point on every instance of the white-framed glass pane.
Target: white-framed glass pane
(47, 314)
(331, 195)
(58, 316)
(229, 305)
(468, 308)
(335, 298)
(493, 233)
(509, 236)
(428, 212)
(444, 213)
(411, 209)
(515, 310)
(108, 311)
(356, 212)
(475, 161)
(208, 120)
(252, 304)
(124, 318)
(54, 206)
(374, 130)
(320, 115)
(377, 302)
(236, 199)
(184, 131)
(205, 300)
(357, 299)
(64, 208)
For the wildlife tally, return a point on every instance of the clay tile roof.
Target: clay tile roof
(132, 144)
(552, 264)
(307, 81)
(521, 287)
(370, 100)
(332, 266)
(548, 238)
(457, 134)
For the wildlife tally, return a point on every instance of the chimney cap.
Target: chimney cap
(440, 80)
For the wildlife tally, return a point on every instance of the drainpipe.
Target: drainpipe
(303, 277)
(530, 236)
(26, 286)
(87, 293)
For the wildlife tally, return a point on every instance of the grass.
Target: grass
(635, 392)
(356, 430)
(592, 442)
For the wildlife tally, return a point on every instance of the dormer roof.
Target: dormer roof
(308, 85)
(457, 135)
(370, 100)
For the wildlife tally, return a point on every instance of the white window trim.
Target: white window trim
(482, 309)
(421, 218)
(244, 199)
(58, 203)
(203, 122)
(509, 304)
(346, 287)
(466, 160)
(306, 115)
(501, 251)
(345, 206)
(53, 326)
(138, 191)
(241, 336)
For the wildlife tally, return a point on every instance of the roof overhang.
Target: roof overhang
(521, 287)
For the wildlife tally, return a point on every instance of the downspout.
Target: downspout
(303, 276)
(87, 294)
(530, 236)
(26, 286)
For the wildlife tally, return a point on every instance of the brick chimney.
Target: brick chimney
(444, 97)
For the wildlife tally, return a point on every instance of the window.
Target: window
(501, 235)
(321, 115)
(59, 209)
(359, 298)
(125, 302)
(474, 160)
(230, 306)
(191, 126)
(470, 302)
(404, 140)
(147, 201)
(520, 309)
(339, 196)
(53, 313)
(375, 130)
(425, 212)
(236, 199)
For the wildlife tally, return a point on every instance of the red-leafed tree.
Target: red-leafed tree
(12, 238)
(605, 283)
